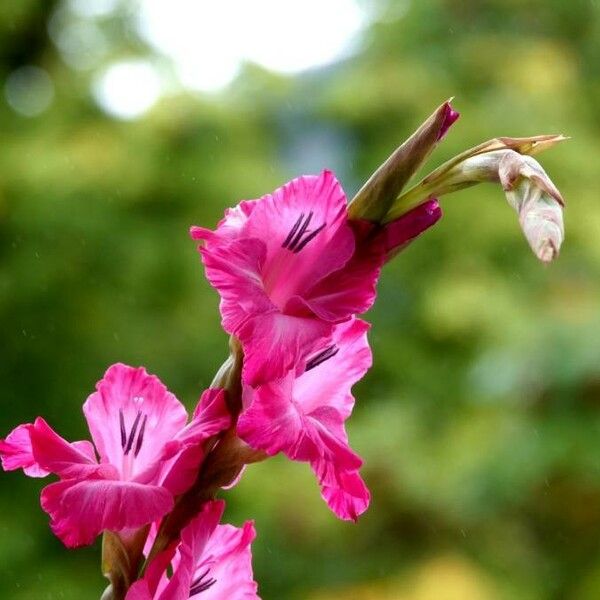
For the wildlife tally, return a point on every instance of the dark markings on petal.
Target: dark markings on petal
(292, 245)
(321, 357)
(123, 432)
(200, 584)
(313, 234)
(140, 439)
(290, 235)
(133, 432)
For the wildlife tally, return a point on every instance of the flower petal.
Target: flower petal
(131, 408)
(274, 422)
(351, 289)
(139, 591)
(194, 538)
(328, 383)
(16, 452)
(230, 226)
(234, 269)
(274, 343)
(304, 229)
(344, 491)
(228, 555)
(401, 232)
(211, 416)
(270, 422)
(81, 510)
(56, 455)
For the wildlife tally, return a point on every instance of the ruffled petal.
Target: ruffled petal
(228, 558)
(270, 422)
(194, 538)
(234, 269)
(263, 257)
(344, 491)
(16, 452)
(274, 422)
(80, 510)
(229, 227)
(351, 289)
(211, 416)
(132, 413)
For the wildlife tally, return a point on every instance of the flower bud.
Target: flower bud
(377, 195)
(537, 202)
(528, 188)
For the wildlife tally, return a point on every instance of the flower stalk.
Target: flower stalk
(294, 270)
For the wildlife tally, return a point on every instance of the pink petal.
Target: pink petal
(228, 555)
(401, 232)
(211, 416)
(275, 343)
(180, 473)
(307, 203)
(124, 393)
(194, 538)
(16, 452)
(270, 422)
(329, 382)
(81, 510)
(56, 455)
(234, 268)
(274, 422)
(265, 259)
(139, 591)
(351, 289)
(344, 491)
(230, 226)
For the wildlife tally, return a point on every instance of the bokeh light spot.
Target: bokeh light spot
(128, 89)
(29, 90)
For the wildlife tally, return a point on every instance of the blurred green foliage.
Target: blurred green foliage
(480, 421)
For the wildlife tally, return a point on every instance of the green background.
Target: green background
(480, 420)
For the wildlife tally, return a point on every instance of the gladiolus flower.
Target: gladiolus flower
(278, 264)
(303, 415)
(147, 455)
(212, 562)
(290, 266)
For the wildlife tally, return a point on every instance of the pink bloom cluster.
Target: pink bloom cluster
(293, 273)
(149, 454)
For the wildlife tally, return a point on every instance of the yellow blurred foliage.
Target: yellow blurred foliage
(447, 577)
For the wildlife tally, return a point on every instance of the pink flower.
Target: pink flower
(287, 272)
(212, 562)
(303, 415)
(147, 455)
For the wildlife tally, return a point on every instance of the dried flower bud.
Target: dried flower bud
(537, 202)
(528, 188)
